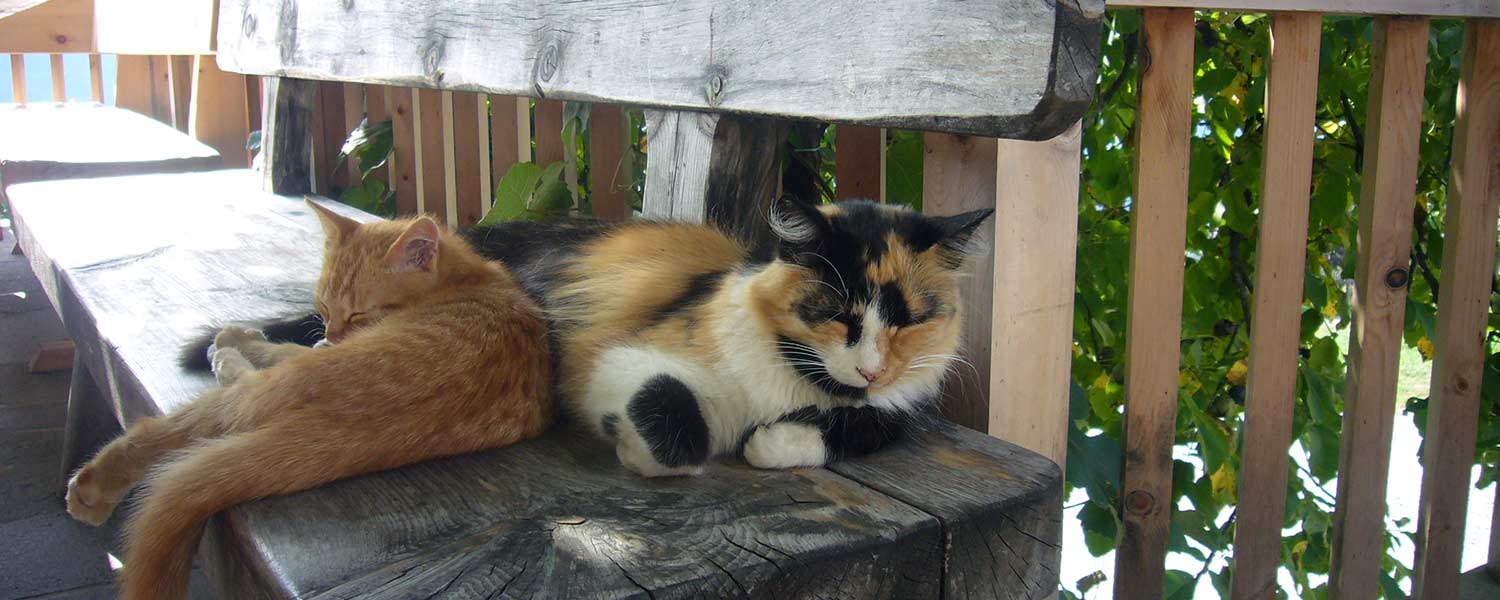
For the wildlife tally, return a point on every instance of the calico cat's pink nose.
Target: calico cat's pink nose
(869, 376)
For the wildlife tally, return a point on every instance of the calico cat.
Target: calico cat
(677, 343)
(439, 353)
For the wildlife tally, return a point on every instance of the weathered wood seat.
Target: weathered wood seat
(950, 513)
(47, 141)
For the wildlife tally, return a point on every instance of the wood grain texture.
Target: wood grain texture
(510, 134)
(328, 136)
(609, 173)
(218, 116)
(547, 124)
(1009, 68)
(449, 207)
(174, 27)
(18, 78)
(1036, 250)
(949, 513)
(1000, 507)
(1377, 308)
(59, 79)
(286, 141)
(1154, 313)
(471, 128)
(49, 27)
(96, 78)
(1463, 307)
(704, 167)
(679, 149)
(404, 149)
(958, 175)
(60, 141)
(1436, 8)
(858, 154)
(1276, 317)
(431, 186)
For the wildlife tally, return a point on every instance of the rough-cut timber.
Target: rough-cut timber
(286, 141)
(949, 513)
(1004, 68)
(713, 168)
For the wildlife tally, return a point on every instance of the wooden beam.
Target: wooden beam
(1378, 304)
(218, 115)
(1154, 314)
(56, 26)
(432, 192)
(1462, 317)
(18, 78)
(1286, 177)
(286, 135)
(471, 160)
(713, 168)
(59, 79)
(180, 74)
(171, 27)
(1434, 8)
(858, 165)
(958, 175)
(1036, 247)
(609, 155)
(1005, 68)
(96, 78)
(404, 150)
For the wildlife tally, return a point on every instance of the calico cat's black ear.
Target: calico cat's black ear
(797, 222)
(953, 234)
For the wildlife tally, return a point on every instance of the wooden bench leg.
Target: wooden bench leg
(91, 422)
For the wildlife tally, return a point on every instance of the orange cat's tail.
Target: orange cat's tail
(164, 529)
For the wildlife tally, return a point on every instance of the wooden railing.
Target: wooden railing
(450, 149)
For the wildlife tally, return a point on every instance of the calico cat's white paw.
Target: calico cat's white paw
(638, 459)
(786, 445)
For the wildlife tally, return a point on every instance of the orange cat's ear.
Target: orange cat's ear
(335, 226)
(416, 249)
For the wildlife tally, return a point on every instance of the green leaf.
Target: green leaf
(903, 168)
(1100, 528)
(1179, 585)
(1096, 467)
(371, 196)
(513, 193)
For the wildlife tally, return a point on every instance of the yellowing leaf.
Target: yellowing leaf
(1186, 381)
(1424, 346)
(1101, 382)
(1237, 373)
(1223, 481)
(1331, 310)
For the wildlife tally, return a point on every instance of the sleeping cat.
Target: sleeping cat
(415, 307)
(677, 343)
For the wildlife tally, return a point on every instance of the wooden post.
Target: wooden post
(1462, 318)
(609, 175)
(404, 150)
(958, 175)
(1154, 314)
(286, 136)
(354, 112)
(377, 110)
(218, 116)
(160, 88)
(510, 134)
(714, 168)
(858, 168)
(180, 73)
(90, 422)
(548, 131)
(1378, 304)
(328, 136)
(59, 81)
(1036, 247)
(1286, 177)
(432, 192)
(18, 78)
(96, 78)
(471, 161)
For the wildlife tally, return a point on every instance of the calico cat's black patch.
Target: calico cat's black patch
(697, 290)
(893, 308)
(303, 329)
(535, 252)
(847, 431)
(815, 374)
(665, 412)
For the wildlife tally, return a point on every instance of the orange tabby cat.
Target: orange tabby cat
(409, 307)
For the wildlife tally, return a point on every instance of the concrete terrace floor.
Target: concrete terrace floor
(43, 552)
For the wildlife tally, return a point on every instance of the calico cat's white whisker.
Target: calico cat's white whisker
(835, 270)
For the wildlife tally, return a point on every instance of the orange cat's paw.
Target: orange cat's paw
(88, 501)
(237, 337)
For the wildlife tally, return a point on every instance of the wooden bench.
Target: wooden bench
(950, 513)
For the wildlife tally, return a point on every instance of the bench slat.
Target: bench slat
(1005, 68)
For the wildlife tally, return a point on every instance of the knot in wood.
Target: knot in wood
(61, 39)
(548, 66)
(716, 85)
(1397, 278)
(247, 27)
(1140, 502)
(432, 57)
(1461, 385)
